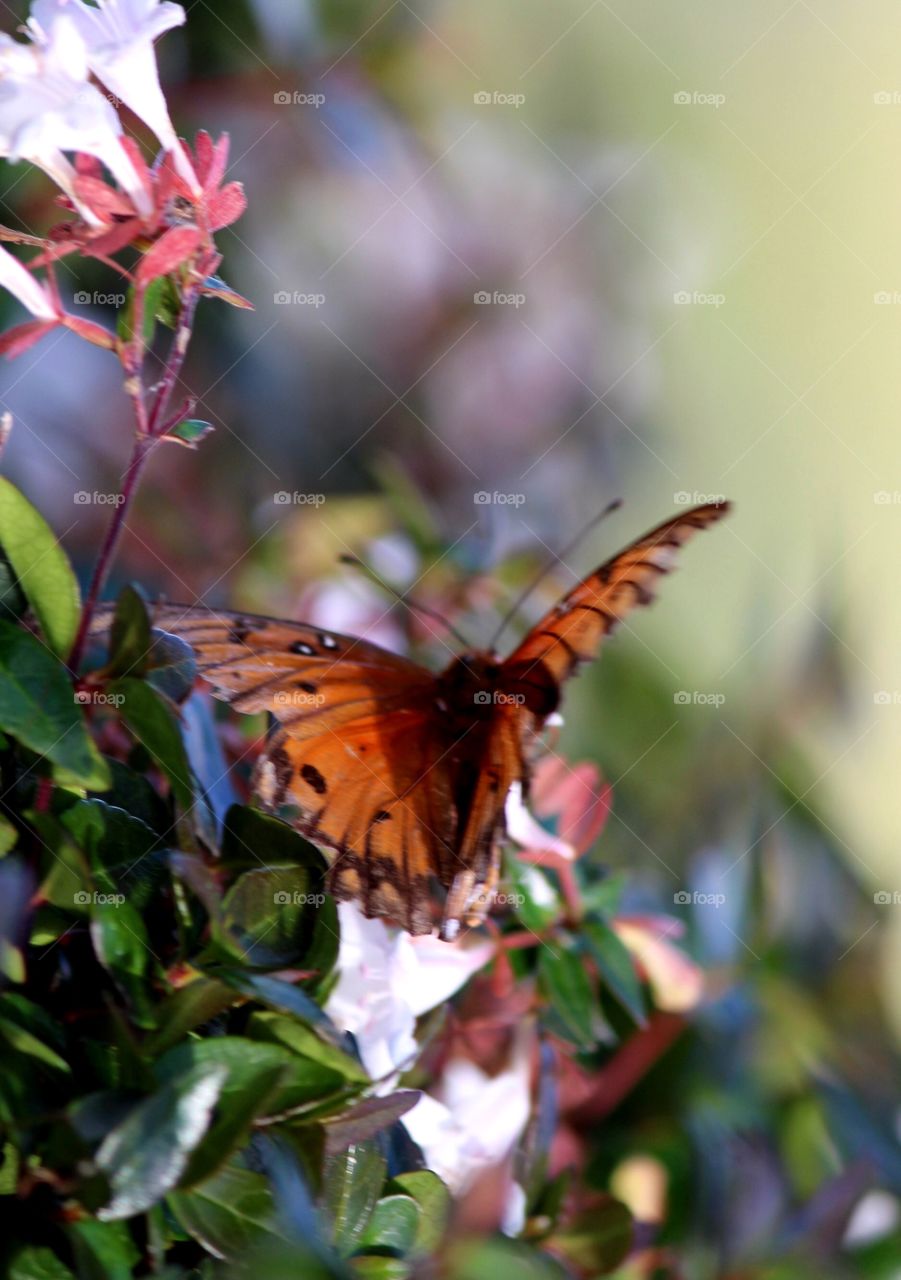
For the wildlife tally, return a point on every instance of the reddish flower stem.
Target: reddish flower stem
(149, 427)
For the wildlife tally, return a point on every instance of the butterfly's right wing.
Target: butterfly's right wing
(361, 762)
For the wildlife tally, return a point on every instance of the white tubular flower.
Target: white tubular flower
(118, 36)
(387, 979)
(477, 1122)
(33, 295)
(47, 107)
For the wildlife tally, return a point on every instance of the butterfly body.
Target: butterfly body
(401, 774)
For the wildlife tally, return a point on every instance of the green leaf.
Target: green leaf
(190, 432)
(393, 1226)
(103, 1250)
(150, 720)
(373, 1267)
(502, 1260)
(573, 1004)
(171, 666)
(188, 1007)
(230, 1214)
(434, 1201)
(121, 945)
(28, 1029)
(8, 836)
(246, 1063)
(616, 967)
(599, 1239)
(283, 998)
(274, 1028)
(269, 914)
(129, 642)
(38, 709)
(37, 1262)
(147, 1153)
(42, 568)
(352, 1185)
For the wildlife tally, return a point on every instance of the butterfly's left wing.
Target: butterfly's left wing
(572, 631)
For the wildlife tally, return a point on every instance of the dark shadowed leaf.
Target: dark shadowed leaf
(153, 724)
(38, 708)
(188, 1007)
(599, 1240)
(367, 1118)
(37, 1262)
(616, 967)
(573, 1004)
(171, 666)
(129, 641)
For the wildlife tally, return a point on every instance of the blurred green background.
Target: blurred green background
(686, 220)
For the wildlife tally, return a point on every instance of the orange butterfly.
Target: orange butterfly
(403, 774)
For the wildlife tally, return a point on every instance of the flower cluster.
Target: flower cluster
(55, 115)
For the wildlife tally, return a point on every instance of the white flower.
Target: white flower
(118, 36)
(387, 980)
(47, 107)
(33, 295)
(475, 1124)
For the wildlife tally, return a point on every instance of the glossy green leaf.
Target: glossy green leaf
(230, 1214)
(37, 1262)
(190, 432)
(103, 1250)
(188, 1007)
(145, 1156)
(129, 641)
(393, 1226)
(352, 1186)
(269, 914)
(153, 724)
(435, 1203)
(573, 1004)
(616, 967)
(296, 1036)
(41, 567)
(38, 708)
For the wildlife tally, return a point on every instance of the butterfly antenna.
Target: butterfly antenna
(407, 601)
(548, 565)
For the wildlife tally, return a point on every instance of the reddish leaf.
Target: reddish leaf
(111, 242)
(139, 164)
(22, 336)
(101, 198)
(87, 329)
(170, 251)
(226, 206)
(216, 161)
(88, 166)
